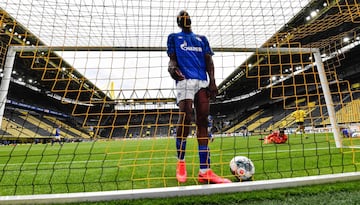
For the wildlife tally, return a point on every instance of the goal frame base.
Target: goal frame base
(180, 191)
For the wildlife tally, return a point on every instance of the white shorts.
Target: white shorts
(186, 89)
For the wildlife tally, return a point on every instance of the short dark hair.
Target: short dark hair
(183, 19)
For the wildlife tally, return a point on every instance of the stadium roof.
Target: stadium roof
(135, 23)
(146, 24)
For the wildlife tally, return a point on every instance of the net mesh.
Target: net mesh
(106, 87)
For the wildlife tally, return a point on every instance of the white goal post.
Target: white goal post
(9, 62)
(184, 190)
(180, 191)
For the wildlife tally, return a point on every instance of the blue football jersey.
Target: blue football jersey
(190, 50)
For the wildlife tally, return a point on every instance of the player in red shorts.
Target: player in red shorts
(277, 137)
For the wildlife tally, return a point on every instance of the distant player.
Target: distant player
(57, 137)
(276, 137)
(244, 131)
(210, 128)
(345, 132)
(299, 116)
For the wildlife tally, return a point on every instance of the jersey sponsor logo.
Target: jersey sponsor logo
(184, 47)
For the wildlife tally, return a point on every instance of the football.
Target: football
(242, 168)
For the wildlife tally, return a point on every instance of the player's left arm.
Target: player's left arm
(210, 68)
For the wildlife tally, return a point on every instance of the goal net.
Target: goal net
(88, 106)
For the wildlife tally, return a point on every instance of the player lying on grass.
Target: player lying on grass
(277, 137)
(347, 132)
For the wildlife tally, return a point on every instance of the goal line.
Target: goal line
(180, 191)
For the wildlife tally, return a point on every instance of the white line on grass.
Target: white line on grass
(162, 158)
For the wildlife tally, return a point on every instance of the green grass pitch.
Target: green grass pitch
(149, 163)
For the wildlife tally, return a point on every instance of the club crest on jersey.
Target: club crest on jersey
(184, 47)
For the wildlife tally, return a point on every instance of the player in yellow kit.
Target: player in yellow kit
(299, 116)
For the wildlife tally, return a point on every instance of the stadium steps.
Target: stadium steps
(67, 130)
(244, 122)
(39, 123)
(284, 122)
(3, 133)
(19, 116)
(255, 125)
(17, 130)
(287, 121)
(348, 114)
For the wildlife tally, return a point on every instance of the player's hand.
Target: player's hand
(175, 73)
(213, 91)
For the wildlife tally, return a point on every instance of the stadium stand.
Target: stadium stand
(68, 130)
(247, 97)
(257, 126)
(347, 114)
(244, 122)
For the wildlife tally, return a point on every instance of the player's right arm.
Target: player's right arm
(173, 68)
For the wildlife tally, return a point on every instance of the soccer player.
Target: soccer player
(190, 64)
(210, 128)
(277, 137)
(299, 116)
(57, 137)
(244, 131)
(345, 132)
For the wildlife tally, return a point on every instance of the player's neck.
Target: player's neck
(187, 30)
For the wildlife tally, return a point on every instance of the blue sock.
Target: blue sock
(180, 147)
(204, 156)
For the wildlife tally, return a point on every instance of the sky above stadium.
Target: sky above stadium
(130, 23)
